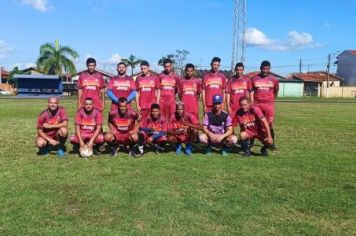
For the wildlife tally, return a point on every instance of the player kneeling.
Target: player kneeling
(253, 125)
(52, 128)
(123, 124)
(217, 127)
(88, 129)
(183, 128)
(154, 129)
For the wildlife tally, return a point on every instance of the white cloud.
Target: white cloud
(295, 41)
(115, 58)
(40, 5)
(4, 49)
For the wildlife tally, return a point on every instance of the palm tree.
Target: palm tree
(55, 59)
(131, 61)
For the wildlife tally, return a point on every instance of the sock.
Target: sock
(244, 145)
(62, 141)
(272, 134)
(140, 142)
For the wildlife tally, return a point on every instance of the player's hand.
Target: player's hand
(53, 142)
(138, 108)
(150, 140)
(81, 144)
(90, 144)
(47, 126)
(269, 140)
(219, 138)
(205, 109)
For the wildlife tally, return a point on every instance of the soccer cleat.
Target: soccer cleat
(208, 150)
(158, 149)
(264, 151)
(43, 151)
(246, 153)
(188, 149)
(178, 149)
(114, 151)
(224, 152)
(60, 153)
(274, 148)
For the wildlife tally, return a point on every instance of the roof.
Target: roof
(316, 76)
(278, 76)
(107, 74)
(32, 69)
(4, 74)
(20, 76)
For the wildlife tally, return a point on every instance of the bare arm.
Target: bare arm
(46, 137)
(203, 98)
(228, 102)
(80, 92)
(138, 93)
(96, 133)
(102, 93)
(266, 126)
(158, 95)
(63, 124)
(252, 97)
(80, 139)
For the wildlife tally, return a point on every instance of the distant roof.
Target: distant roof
(280, 78)
(32, 69)
(97, 70)
(4, 72)
(315, 76)
(18, 76)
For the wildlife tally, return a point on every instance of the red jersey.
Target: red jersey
(88, 122)
(189, 91)
(264, 88)
(47, 117)
(213, 84)
(146, 86)
(168, 87)
(156, 125)
(177, 124)
(123, 123)
(251, 120)
(91, 84)
(121, 86)
(237, 88)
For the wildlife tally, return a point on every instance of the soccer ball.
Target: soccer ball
(86, 151)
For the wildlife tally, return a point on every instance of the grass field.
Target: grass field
(308, 187)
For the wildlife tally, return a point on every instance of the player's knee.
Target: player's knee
(232, 139)
(172, 139)
(203, 139)
(63, 132)
(243, 136)
(108, 137)
(40, 142)
(134, 137)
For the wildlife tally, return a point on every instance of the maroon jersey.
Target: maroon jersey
(238, 88)
(177, 124)
(88, 122)
(264, 88)
(213, 84)
(189, 91)
(156, 125)
(251, 120)
(91, 84)
(168, 87)
(121, 86)
(47, 117)
(147, 86)
(125, 123)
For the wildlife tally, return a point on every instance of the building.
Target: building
(5, 87)
(315, 83)
(287, 87)
(39, 85)
(346, 67)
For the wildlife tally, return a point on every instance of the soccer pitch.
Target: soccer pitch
(307, 187)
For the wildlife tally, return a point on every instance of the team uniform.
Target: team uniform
(251, 123)
(154, 128)
(264, 89)
(121, 86)
(237, 88)
(88, 124)
(189, 91)
(91, 84)
(213, 84)
(168, 88)
(177, 124)
(146, 86)
(47, 117)
(123, 125)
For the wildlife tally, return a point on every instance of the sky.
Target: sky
(283, 32)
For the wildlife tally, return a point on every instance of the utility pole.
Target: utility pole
(300, 66)
(328, 75)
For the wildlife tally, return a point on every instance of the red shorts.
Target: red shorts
(159, 140)
(122, 138)
(145, 113)
(167, 110)
(267, 110)
(86, 137)
(51, 135)
(259, 135)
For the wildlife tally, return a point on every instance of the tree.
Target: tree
(132, 62)
(181, 57)
(55, 59)
(15, 71)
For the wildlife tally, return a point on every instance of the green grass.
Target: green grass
(308, 187)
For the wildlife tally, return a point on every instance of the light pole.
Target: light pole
(330, 56)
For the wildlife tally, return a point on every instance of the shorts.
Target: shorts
(259, 135)
(122, 138)
(86, 137)
(267, 110)
(159, 140)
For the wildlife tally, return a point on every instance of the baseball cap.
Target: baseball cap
(217, 99)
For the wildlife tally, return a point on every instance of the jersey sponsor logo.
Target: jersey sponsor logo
(146, 85)
(122, 85)
(54, 121)
(213, 82)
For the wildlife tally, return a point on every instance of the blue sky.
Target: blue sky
(280, 31)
